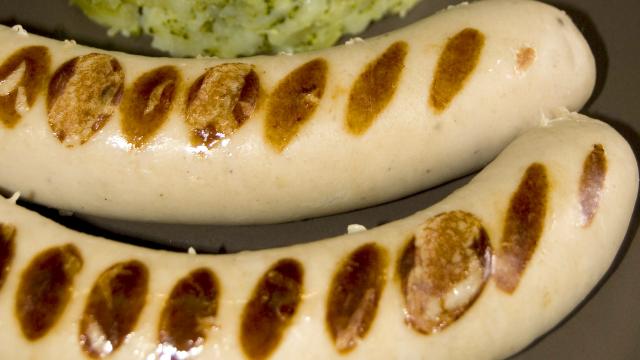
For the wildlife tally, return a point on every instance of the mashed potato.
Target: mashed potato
(231, 28)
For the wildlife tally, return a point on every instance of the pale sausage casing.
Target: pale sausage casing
(291, 136)
(543, 222)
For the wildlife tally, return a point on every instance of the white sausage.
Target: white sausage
(571, 255)
(532, 61)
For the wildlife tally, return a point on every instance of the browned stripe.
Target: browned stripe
(220, 102)
(354, 295)
(189, 313)
(113, 307)
(273, 303)
(7, 250)
(443, 270)
(594, 172)
(523, 227)
(22, 78)
(457, 61)
(45, 289)
(374, 88)
(293, 102)
(405, 263)
(525, 58)
(83, 94)
(147, 103)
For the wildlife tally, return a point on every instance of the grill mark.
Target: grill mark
(523, 227)
(293, 102)
(220, 101)
(374, 88)
(45, 289)
(443, 270)
(355, 291)
(272, 306)
(189, 314)
(594, 171)
(406, 262)
(83, 94)
(17, 95)
(456, 63)
(7, 250)
(525, 57)
(147, 103)
(113, 307)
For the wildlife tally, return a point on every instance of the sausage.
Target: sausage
(277, 138)
(479, 275)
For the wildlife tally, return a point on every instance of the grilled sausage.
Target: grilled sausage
(277, 138)
(479, 275)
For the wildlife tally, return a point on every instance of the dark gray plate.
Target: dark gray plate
(605, 326)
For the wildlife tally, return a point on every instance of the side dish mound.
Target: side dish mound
(231, 28)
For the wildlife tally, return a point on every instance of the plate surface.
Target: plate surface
(605, 326)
